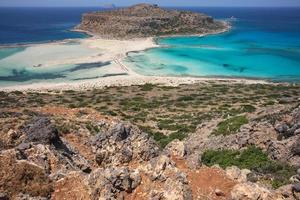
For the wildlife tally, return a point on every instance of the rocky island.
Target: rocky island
(144, 20)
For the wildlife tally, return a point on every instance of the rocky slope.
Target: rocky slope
(50, 150)
(144, 20)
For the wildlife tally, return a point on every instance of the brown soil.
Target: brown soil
(205, 181)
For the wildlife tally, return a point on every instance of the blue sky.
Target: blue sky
(256, 3)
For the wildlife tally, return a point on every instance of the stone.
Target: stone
(159, 165)
(235, 173)
(119, 132)
(249, 191)
(177, 190)
(3, 196)
(296, 148)
(219, 192)
(110, 182)
(99, 158)
(41, 131)
(23, 146)
(296, 188)
(294, 179)
(176, 148)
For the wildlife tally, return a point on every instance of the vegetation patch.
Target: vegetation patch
(252, 158)
(147, 87)
(230, 126)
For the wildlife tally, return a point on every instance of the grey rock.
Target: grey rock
(296, 148)
(41, 131)
(121, 144)
(119, 132)
(23, 146)
(3, 196)
(110, 182)
(296, 188)
(99, 158)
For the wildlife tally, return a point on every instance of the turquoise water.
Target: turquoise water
(263, 43)
(48, 63)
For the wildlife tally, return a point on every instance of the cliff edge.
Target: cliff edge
(145, 20)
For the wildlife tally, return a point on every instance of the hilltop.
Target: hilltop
(145, 20)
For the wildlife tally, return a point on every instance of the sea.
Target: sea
(263, 43)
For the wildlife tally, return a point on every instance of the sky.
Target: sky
(87, 3)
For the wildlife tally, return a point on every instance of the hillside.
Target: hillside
(144, 20)
(214, 140)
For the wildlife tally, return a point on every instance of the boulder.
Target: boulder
(158, 166)
(176, 148)
(236, 174)
(110, 182)
(177, 189)
(122, 144)
(119, 132)
(250, 191)
(41, 131)
(296, 188)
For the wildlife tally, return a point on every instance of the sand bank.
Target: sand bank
(118, 74)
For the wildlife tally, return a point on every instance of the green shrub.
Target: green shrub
(147, 87)
(230, 126)
(186, 98)
(248, 108)
(162, 139)
(251, 158)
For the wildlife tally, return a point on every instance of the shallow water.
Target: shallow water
(263, 43)
(48, 62)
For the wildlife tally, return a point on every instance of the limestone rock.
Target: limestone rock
(109, 183)
(250, 191)
(176, 148)
(41, 131)
(235, 173)
(122, 144)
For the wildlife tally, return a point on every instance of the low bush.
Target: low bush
(251, 158)
(230, 126)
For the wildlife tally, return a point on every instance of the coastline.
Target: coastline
(127, 80)
(119, 73)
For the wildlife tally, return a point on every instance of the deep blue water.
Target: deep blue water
(263, 43)
(28, 25)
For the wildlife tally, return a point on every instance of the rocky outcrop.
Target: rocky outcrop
(116, 160)
(122, 145)
(260, 133)
(46, 165)
(144, 20)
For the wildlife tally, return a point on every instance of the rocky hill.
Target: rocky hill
(207, 141)
(144, 20)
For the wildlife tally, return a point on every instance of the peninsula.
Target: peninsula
(145, 20)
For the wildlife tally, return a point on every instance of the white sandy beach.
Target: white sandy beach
(113, 51)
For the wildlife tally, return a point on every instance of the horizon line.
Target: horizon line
(95, 6)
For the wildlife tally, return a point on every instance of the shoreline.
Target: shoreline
(128, 80)
(116, 51)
